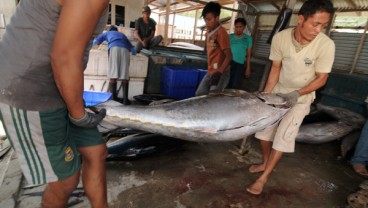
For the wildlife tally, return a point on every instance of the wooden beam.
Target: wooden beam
(359, 49)
(222, 7)
(262, 1)
(276, 6)
(353, 5)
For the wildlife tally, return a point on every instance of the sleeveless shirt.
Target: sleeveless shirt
(26, 79)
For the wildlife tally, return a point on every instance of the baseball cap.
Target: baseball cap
(146, 9)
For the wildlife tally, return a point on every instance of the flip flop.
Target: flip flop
(358, 199)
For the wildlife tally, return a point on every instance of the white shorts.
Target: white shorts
(284, 134)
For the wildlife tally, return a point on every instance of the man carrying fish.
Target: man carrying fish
(301, 58)
(42, 57)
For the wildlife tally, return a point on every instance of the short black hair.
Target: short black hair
(212, 7)
(113, 28)
(240, 20)
(311, 7)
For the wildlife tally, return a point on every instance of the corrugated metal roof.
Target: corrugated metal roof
(352, 7)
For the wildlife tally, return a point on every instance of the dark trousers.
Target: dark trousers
(237, 72)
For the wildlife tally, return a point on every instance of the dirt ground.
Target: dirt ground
(215, 175)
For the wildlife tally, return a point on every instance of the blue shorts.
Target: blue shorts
(46, 142)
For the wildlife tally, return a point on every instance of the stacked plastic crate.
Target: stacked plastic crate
(179, 82)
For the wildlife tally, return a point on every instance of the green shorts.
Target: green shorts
(46, 142)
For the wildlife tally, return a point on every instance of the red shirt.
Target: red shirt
(217, 41)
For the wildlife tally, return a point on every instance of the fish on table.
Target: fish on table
(217, 117)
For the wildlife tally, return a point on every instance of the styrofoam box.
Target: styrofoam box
(136, 86)
(98, 64)
(101, 84)
(96, 83)
(138, 66)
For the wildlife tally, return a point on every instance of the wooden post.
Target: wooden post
(233, 17)
(330, 25)
(113, 13)
(195, 26)
(173, 28)
(166, 40)
(359, 49)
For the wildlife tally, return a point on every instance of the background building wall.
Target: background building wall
(7, 9)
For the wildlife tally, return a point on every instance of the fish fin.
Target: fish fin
(238, 127)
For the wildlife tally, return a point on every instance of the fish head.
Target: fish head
(272, 99)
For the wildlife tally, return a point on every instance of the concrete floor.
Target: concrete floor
(215, 175)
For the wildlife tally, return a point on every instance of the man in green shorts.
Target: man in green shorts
(43, 54)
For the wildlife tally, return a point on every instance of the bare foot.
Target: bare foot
(257, 168)
(256, 188)
(361, 170)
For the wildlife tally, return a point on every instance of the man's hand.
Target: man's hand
(145, 43)
(215, 78)
(95, 42)
(134, 52)
(89, 120)
(247, 73)
(291, 97)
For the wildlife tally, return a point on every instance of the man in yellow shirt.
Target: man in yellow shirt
(301, 58)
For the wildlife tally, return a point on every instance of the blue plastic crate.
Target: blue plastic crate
(175, 76)
(178, 93)
(92, 98)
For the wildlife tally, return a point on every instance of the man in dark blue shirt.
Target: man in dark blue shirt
(119, 59)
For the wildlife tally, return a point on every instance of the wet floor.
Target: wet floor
(216, 175)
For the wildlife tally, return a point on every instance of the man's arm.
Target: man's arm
(273, 77)
(69, 44)
(228, 57)
(138, 36)
(318, 82)
(247, 69)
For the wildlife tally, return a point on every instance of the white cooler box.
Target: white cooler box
(136, 86)
(98, 64)
(101, 83)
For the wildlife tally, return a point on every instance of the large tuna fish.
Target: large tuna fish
(220, 117)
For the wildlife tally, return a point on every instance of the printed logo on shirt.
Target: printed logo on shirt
(308, 62)
(69, 155)
(213, 43)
